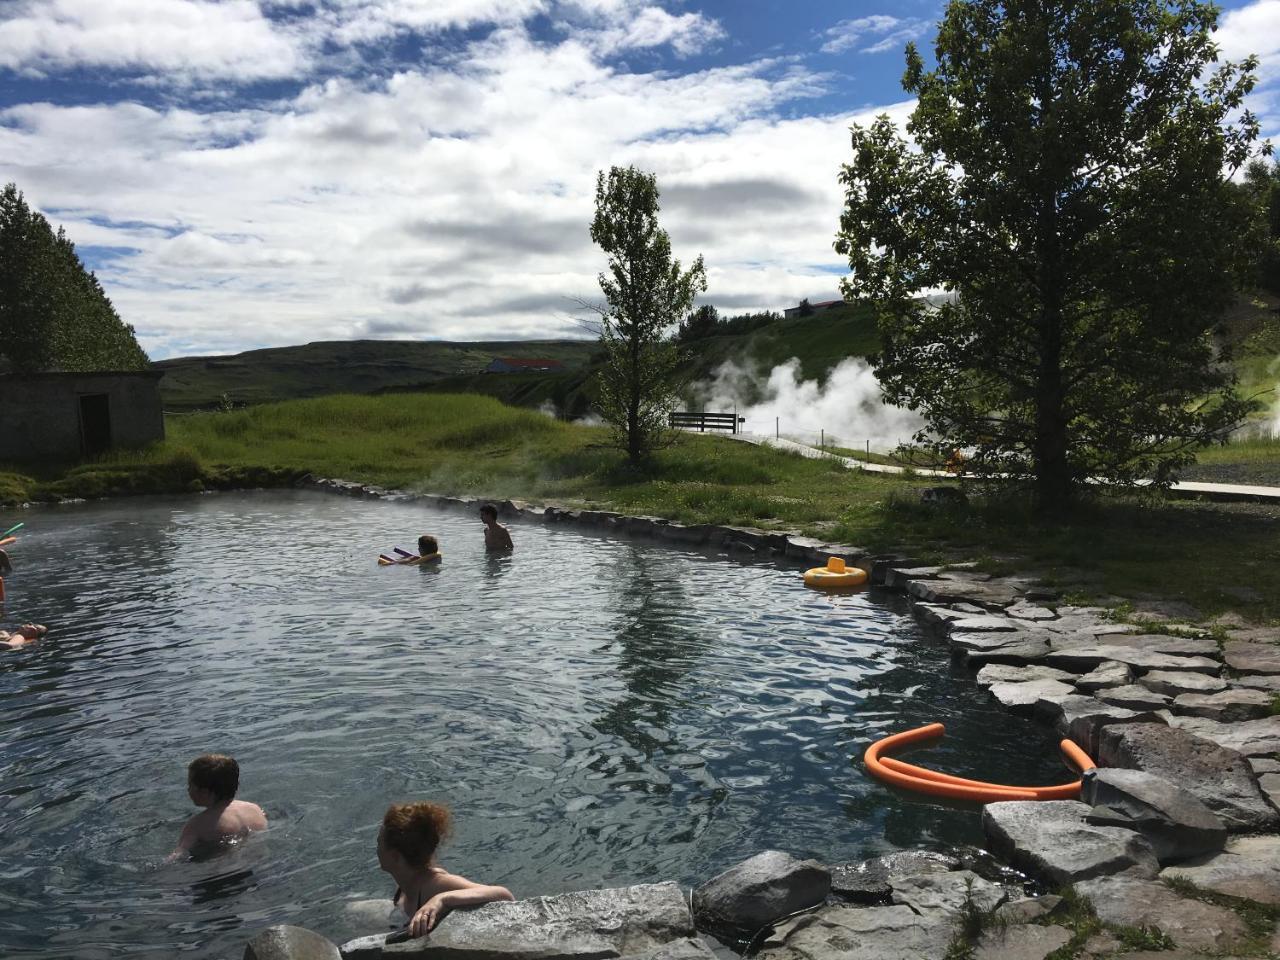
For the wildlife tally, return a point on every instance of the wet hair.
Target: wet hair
(218, 774)
(427, 545)
(489, 509)
(414, 830)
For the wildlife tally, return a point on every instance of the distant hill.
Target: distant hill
(344, 366)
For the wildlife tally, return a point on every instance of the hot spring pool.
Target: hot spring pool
(596, 712)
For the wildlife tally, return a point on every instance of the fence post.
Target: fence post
(822, 439)
(868, 451)
(776, 432)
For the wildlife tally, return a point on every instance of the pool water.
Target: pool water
(596, 711)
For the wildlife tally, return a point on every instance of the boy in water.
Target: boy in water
(496, 537)
(25, 634)
(212, 781)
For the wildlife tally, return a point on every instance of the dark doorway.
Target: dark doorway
(95, 424)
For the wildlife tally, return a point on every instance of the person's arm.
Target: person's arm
(5, 565)
(185, 842)
(466, 894)
(506, 539)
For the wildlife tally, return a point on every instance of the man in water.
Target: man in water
(25, 634)
(212, 782)
(497, 539)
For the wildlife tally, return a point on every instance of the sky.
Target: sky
(254, 173)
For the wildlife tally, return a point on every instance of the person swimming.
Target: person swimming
(497, 538)
(25, 635)
(212, 782)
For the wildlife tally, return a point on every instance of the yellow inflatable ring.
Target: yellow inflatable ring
(834, 576)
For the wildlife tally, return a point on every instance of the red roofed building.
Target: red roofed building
(521, 365)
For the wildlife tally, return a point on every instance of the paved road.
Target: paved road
(1187, 488)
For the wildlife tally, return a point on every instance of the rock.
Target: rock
(1133, 697)
(879, 568)
(871, 881)
(1226, 706)
(1248, 867)
(936, 615)
(1258, 682)
(1174, 821)
(1015, 648)
(1263, 765)
(285, 942)
(1131, 902)
(804, 548)
(1269, 783)
(1248, 657)
(990, 594)
(983, 625)
(947, 892)
(1028, 909)
(1172, 683)
(1104, 675)
(1029, 611)
(1180, 646)
(759, 891)
(586, 925)
(1220, 778)
(1089, 657)
(1252, 738)
(1082, 718)
(1023, 697)
(860, 933)
(688, 949)
(1012, 673)
(1021, 943)
(897, 578)
(1051, 840)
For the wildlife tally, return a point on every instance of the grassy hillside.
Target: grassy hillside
(357, 366)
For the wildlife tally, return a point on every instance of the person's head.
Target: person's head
(410, 834)
(212, 779)
(32, 631)
(489, 513)
(428, 545)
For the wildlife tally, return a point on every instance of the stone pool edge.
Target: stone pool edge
(1190, 791)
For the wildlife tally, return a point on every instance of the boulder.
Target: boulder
(1088, 657)
(1246, 657)
(1218, 777)
(1020, 943)
(1175, 822)
(1012, 673)
(1082, 718)
(1133, 697)
(1051, 840)
(871, 881)
(1247, 867)
(760, 890)
(860, 933)
(1171, 683)
(586, 925)
(1023, 697)
(1226, 706)
(1104, 676)
(947, 892)
(1130, 902)
(1252, 738)
(285, 942)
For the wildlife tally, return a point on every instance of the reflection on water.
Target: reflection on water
(596, 712)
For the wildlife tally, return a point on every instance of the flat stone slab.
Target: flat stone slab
(1012, 648)
(1023, 942)
(1030, 611)
(1051, 840)
(1180, 646)
(947, 892)
(990, 594)
(1258, 681)
(1249, 657)
(1219, 777)
(1225, 706)
(1022, 697)
(1171, 683)
(1269, 783)
(586, 925)
(1190, 923)
(1134, 697)
(1105, 676)
(1173, 820)
(860, 933)
(1013, 673)
(1252, 738)
(1088, 657)
(984, 625)
(756, 892)
(1248, 867)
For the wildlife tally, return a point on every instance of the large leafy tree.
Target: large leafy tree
(54, 314)
(646, 292)
(1069, 186)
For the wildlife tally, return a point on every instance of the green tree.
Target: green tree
(646, 293)
(806, 308)
(699, 325)
(1261, 190)
(1069, 191)
(54, 314)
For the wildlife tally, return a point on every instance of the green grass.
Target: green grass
(466, 444)
(1247, 461)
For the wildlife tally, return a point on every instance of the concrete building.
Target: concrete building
(73, 416)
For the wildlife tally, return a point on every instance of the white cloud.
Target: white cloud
(651, 26)
(1255, 29)
(893, 32)
(199, 38)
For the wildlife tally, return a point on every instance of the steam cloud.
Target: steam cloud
(848, 407)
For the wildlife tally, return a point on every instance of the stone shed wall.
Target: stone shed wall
(40, 414)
